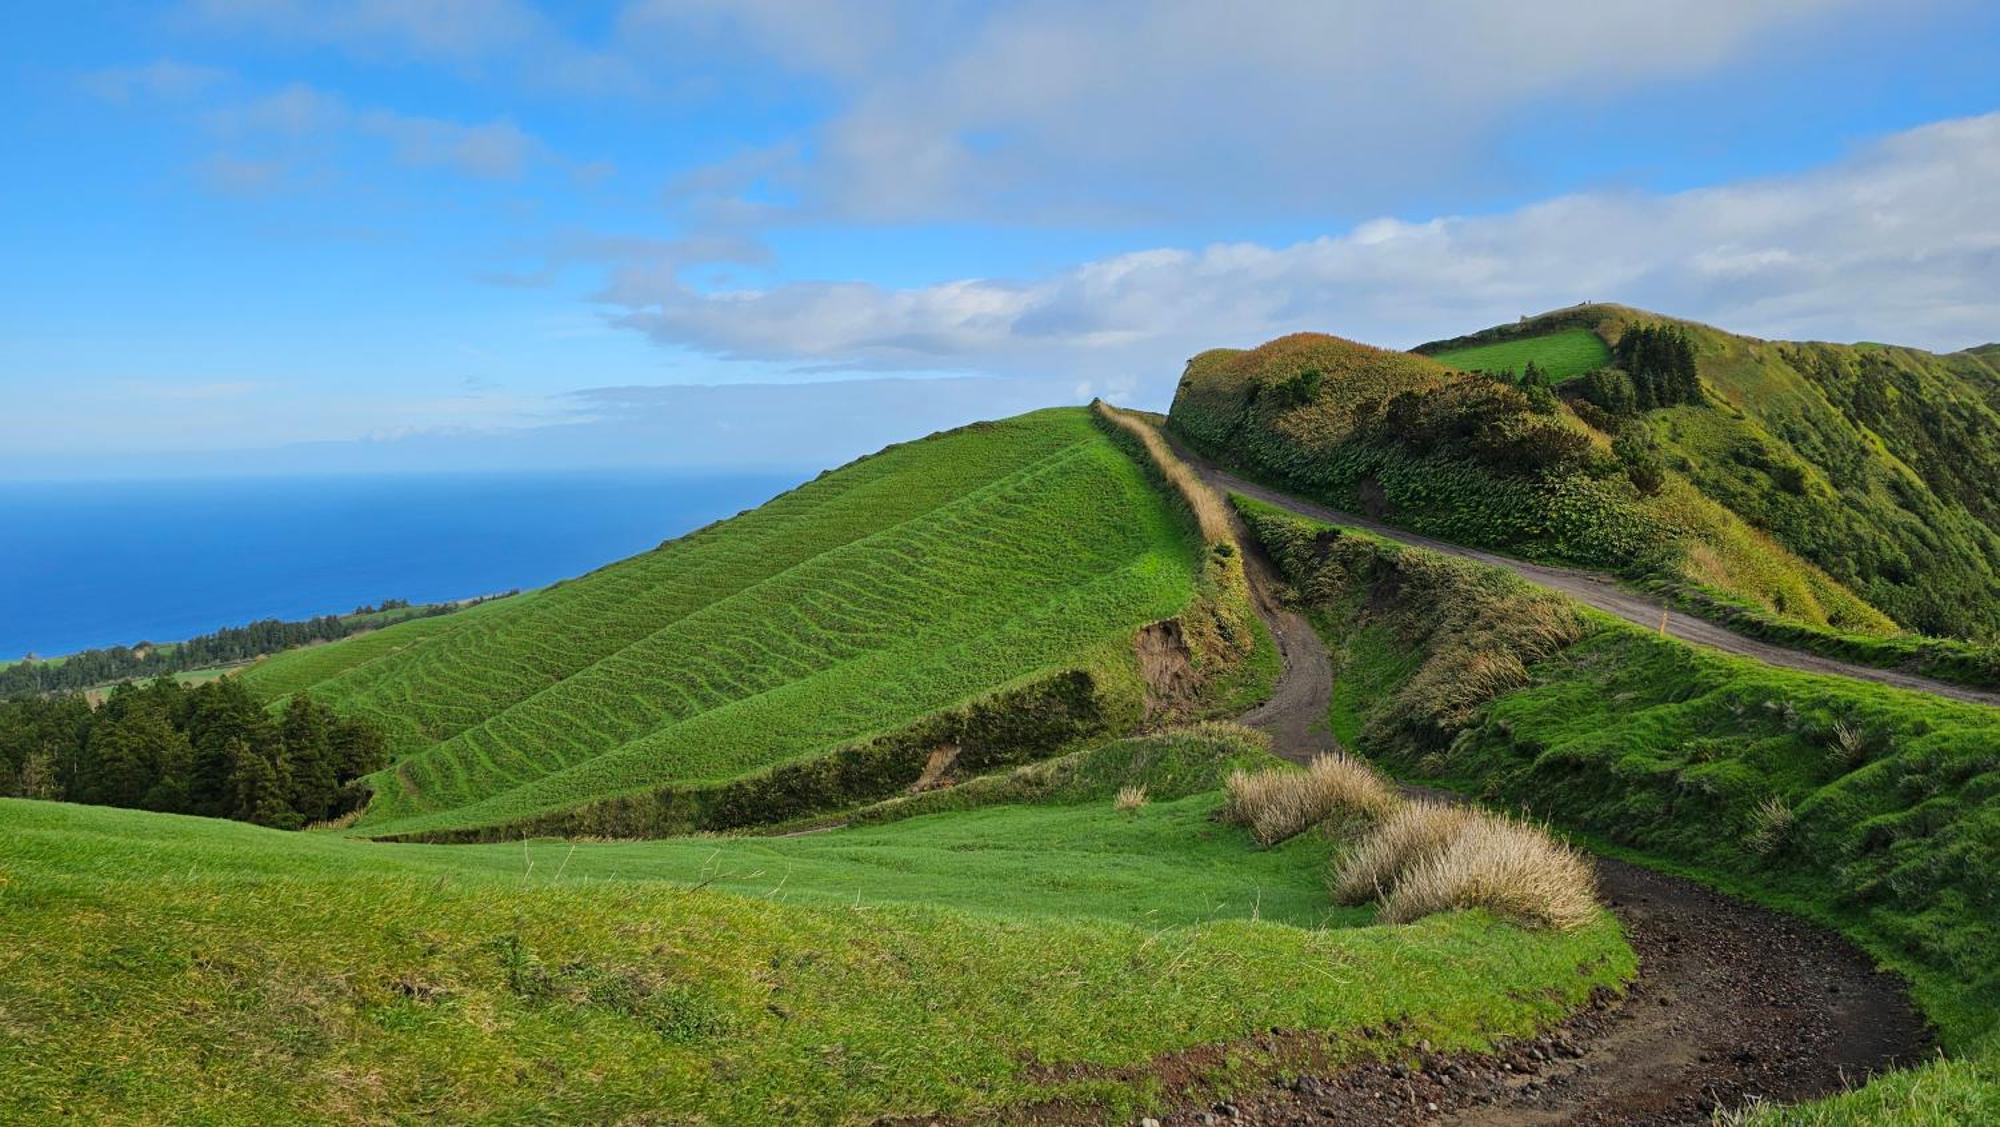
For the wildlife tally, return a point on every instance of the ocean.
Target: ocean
(86, 564)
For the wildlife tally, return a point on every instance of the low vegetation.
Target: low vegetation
(1280, 803)
(974, 962)
(1871, 809)
(920, 579)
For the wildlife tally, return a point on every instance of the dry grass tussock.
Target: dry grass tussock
(1428, 857)
(1210, 513)
(1129, 799)
(1409, 835)
(1506, 867)
(1281, 803)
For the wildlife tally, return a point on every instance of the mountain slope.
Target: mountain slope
(1879, 464)
(911, 581)
(1474, 461)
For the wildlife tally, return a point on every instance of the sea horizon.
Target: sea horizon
(89, 563)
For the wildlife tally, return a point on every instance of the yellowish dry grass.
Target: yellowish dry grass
(1281, 803)
(1129, 799)
(1508, 868)
(1211, 514)
(1410, 835)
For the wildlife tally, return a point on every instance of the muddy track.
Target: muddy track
(1599, 591)
(1733, 1003)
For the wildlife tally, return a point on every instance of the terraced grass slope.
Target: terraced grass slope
(1033, 945)
(1874, 810)
(1465, 458)
(1563, 354)
(911, 581)
(1879, 464)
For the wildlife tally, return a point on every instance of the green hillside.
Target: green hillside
(971, 963)
(914, 580)
(1879, 464)
(1564, 355)
(1469, 459)
(1874, 810)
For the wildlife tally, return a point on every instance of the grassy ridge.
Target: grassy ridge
(1875, 810)
(1564, 354)
(1879, 464)
(174, 969)
(908, 582)
(1466, 459)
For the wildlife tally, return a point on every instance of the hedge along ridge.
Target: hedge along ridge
(1218, 626)
(1046, 715)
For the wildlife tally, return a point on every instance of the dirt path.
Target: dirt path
(1733, 1003)
(1599, 591)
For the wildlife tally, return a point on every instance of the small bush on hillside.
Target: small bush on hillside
(1411, 833)
(1510, 869)
(1770, 824)
(1611, 390)
(1279, 804)
(1129, 799)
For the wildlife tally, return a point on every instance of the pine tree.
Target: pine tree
(260, 785)
(311, 755)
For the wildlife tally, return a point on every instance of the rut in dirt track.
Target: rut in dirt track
(1733, 1003)
(1599, 591)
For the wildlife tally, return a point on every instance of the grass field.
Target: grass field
(1874, 810)
(994, 953)
(910, 581)
(1563, 355)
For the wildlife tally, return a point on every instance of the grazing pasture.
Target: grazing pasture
(1564, 355)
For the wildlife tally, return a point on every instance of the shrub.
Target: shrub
(1283, 803)
(1129, 798)
(1508, 868)
(1410, 834)
(1770, 824)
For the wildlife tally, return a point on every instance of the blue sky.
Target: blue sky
(269, 235)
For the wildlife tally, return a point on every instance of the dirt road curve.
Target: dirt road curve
(1733, 1003)
(1598, 591)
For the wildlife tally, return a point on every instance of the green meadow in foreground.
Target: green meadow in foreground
(910, 581)
(1874, 810)
(1563, 355)
(995, 954)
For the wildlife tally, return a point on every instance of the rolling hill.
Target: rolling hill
(1835, 498)
(671, 690)
(1879, 464)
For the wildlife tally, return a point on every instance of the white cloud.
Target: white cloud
(494, 150)
(1159, 108)
(160, 80)
(1900, 241)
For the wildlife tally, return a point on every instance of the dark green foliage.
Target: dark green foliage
(1451, 455)
(1661, 360)
(206, 750)
(1645, 466)
(1302, 388)
(1611, 389)
(1030, 722)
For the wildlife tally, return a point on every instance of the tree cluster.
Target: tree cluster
(1660, 361)
(211, 750)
